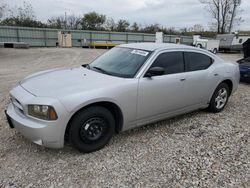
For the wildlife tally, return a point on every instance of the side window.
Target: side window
(197, 61)
(172, 62)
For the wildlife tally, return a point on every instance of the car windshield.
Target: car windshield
(121, 62)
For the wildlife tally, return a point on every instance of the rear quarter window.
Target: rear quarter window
(196, 61)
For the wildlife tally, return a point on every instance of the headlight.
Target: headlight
(42, 112)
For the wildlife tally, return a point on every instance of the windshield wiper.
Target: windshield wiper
(102, 70)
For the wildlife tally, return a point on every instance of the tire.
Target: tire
(91, 129)
(215, 51)
(219, 98)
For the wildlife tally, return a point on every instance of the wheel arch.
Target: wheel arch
(199, 45)
(230, 85)
(111, 106)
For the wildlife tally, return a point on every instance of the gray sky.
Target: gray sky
(169, 13)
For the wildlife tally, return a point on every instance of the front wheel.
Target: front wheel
(91, 129)
(219, 98)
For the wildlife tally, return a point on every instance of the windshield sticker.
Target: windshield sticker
(140, 52)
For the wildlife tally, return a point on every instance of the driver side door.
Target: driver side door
(159, 96)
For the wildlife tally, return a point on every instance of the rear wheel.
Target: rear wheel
(91, 129)
(219, 98)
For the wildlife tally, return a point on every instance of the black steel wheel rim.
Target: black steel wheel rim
(93, 129)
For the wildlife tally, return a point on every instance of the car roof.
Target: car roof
(150, 46)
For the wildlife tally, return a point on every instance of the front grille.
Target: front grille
(17, 104)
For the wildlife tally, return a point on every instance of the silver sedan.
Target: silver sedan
(128, 86)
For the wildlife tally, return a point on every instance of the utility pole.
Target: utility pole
(65, 21)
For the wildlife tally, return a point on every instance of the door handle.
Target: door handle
(216, 74)
(183, 79)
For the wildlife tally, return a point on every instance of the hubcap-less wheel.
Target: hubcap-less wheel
(221, 98)
(93, 129)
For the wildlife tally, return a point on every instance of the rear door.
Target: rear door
(198, 78)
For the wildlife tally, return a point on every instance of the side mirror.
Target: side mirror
(155, 71)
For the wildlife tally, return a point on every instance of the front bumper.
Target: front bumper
(9, 120)
(39, 133)
(47, 133)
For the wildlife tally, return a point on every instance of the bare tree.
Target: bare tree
(65, 22)
(226, 14)
(234, 19)
(110, 24)
(222, 11)
(2, 8)
(73, 22)
(56, 22)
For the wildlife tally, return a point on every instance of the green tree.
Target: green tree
(23, 16)
(153, 28)
(110, 24)
(135, 27)
(65, 22)
(122, 25)
(14, 21)
(93, 21)
(56, 22)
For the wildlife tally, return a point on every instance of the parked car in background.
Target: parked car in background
(244, 64)
(208, 44)
(128, 86)
(245, 70)
(231, 42)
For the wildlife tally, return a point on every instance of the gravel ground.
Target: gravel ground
(199, 149)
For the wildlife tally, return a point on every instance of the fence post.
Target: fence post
(109, 36)
(143, 37)
(90, 35)
(45, 37)
(17, 34)
(126, 37)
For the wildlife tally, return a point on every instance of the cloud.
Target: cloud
(169, 13)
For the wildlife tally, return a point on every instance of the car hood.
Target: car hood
(63, 82)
